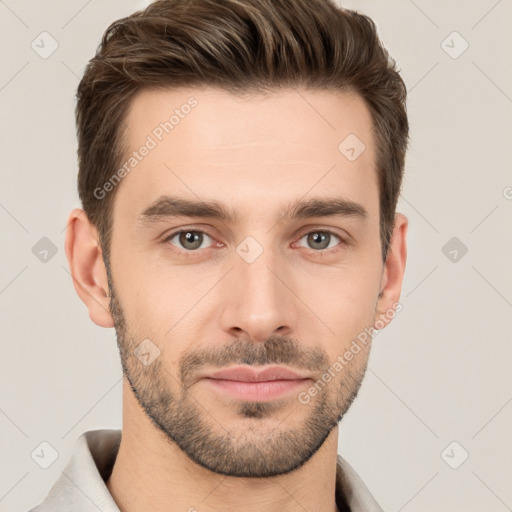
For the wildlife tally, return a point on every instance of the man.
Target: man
(240, 163)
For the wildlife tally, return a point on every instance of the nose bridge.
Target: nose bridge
(257, 301)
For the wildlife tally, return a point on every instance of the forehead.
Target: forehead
(248, 151)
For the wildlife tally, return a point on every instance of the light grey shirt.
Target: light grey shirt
(81, 486)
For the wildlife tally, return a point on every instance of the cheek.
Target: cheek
(173, 302)
(343, 300)
(142, 298)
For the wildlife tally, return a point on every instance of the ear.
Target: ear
(392, 275)
(85, 259)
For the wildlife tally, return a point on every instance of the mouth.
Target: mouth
(256, 391)
(247, 384)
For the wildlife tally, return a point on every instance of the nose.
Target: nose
(258, 302)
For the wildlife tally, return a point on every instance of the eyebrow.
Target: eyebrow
(171, 206)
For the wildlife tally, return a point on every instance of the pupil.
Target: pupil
(192, 238)
(320, 237)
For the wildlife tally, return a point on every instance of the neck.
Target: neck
(152, 473)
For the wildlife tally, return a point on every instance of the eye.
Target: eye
(321, 239)
(189, 239)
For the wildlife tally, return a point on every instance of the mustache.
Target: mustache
(275, 350)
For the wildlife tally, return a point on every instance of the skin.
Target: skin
(298, 304)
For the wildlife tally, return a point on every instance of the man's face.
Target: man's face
(262, 289)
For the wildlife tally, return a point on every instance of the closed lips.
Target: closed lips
(244, 374)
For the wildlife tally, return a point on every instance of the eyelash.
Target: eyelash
(192, 253)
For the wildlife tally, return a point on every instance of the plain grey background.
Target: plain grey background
(438, 387)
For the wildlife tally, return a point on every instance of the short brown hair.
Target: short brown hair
(241, 46)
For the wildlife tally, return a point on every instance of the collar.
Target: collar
(81, 486)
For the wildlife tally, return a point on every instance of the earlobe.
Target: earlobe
(392, 276)
(87, 268)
